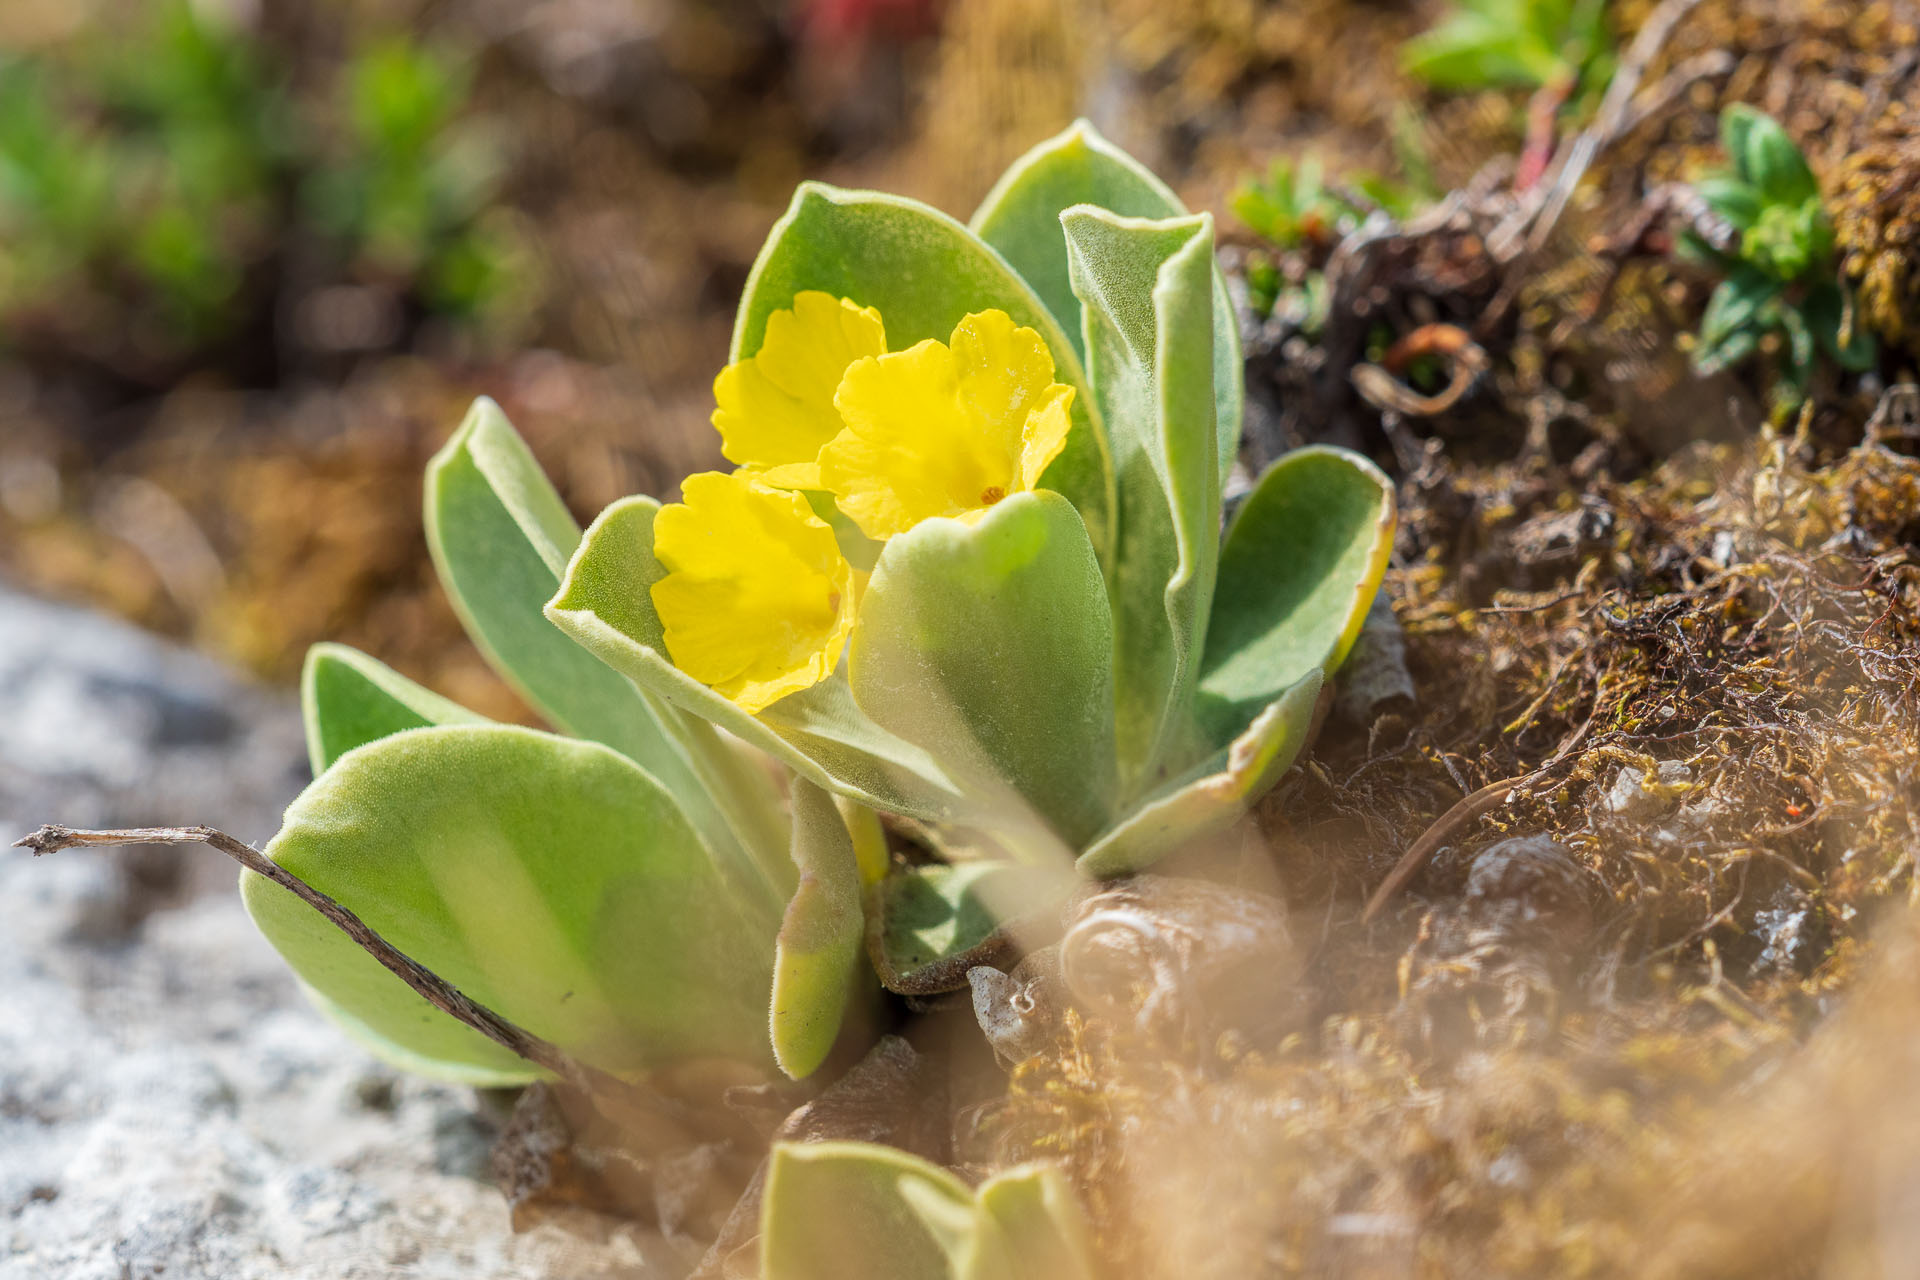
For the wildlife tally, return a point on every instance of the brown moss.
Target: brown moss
(1876, 217)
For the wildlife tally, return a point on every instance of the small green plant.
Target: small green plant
(1291, 205)
(967, 571)
(148, 165)
(1782, 285)
(1563, 45)
(407, 182)
(155, 176)
(1294, 208)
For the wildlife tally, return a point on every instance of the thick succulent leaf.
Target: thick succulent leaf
(349, 699)
(1734, 200)
(1039, 1228)
(857, 1211)
(1826, 311)
(1473, 50)
(1765, 155)
(853, 1210)
(1299, 566)
(932, 923)
(551, 880)
(1146, 289)
(989, 643)
(1736, 303)
(924, 272)
(819, 965)
(500, 537)
(1021, 218)
(1216, 793)
(605, 603)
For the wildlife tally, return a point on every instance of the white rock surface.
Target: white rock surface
(170, 1107)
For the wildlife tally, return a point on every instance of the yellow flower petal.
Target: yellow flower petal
(757, 600)
(944, 430)
(776, 407)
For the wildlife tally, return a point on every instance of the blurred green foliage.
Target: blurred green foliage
(1295, 209)
(166, 174)
(1528, 44)
(408, 187)
(1781, 285)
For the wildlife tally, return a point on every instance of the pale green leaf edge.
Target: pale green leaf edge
(819, 954)
(736, 811)
(1160, 635)
(1229, 369)
(1216, 794)
(379, 681)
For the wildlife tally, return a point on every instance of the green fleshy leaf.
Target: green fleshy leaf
(1730, 351)
(1825, 309)
(349, 699)
(550, 880)
(925, 273)
(1766, 156)
(1299, 566)
(605, 603)
(1732, 199)
(1146, 291)
(932, 923)
(860, 1211)
(501, 537)
(1800, 346)
(1473, 51)
(818, 957)
(1736, 128)
(1728, 328)
(835, 1211)
(1021, 219)
(1214, 795)
(1042, 1231)
(989, 643)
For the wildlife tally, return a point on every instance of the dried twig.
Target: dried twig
(631, 1101)
(1609, 122)
(1483, 801)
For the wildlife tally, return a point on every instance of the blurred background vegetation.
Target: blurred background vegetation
(257, 255)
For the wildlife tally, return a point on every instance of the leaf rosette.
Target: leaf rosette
(966, 570)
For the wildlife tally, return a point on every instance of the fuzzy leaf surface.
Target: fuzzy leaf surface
(925, 273)
(501, 538)
(1021, 218)
(1301, 562)
(1214, 794)
(1147, 297)
(1037, 1226)
(819, 965)
(549, 879)
(856, 1211)
(989, 644)
(348, 699)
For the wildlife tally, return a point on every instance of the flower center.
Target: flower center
(991, 494)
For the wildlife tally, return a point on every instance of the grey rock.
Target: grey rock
(170, 1106)
(1635, 797)
(1375, 676)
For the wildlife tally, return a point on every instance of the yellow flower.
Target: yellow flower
(945, 430)
(776, 406)
(757, 600)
